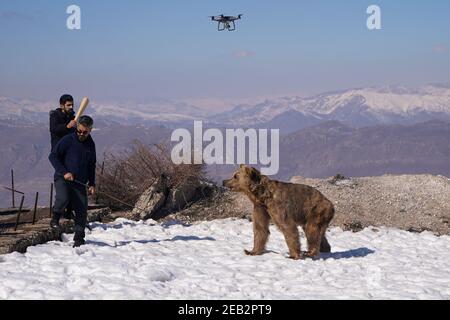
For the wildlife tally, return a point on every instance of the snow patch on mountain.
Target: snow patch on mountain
(126, 113)
(384, 104)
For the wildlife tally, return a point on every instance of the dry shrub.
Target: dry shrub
(127, 174)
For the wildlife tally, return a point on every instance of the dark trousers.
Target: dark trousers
(75, 194)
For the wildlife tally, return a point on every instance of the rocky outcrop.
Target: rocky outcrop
(160, 200)
(188, 192)
(408, 202)
(179, 197)
(219, 204)
(151, 200)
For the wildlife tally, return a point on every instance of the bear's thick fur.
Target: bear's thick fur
(288, 205)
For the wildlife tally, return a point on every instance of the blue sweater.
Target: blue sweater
(72, 156)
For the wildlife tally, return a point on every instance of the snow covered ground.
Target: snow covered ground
(147, 260)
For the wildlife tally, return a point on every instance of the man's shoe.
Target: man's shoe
(78, 243)
(78, 238)
(54, 223)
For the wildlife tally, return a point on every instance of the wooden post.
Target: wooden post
(35, 207)
(12, 187)
(18, 214)
(99, 184)
(51, 200)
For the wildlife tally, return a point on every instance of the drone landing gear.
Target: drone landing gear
(226, 26)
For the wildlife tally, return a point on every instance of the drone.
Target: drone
(226, 22)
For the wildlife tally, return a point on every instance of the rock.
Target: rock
(185, 193)
(417, 229)
(337, 178)
(354, 226)
(218, 204)
(151, 200)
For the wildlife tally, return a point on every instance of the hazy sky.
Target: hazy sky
(143, 49)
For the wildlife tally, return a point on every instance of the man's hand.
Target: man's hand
(71, 124)
(91, 191)
(69, 177)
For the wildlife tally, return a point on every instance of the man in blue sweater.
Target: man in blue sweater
(74, 160)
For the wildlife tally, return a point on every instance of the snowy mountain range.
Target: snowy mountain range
(155, 112)
(354, 107)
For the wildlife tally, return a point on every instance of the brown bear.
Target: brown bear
(288, 205)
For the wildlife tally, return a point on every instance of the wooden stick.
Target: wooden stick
(35, 207)
(18, 214)
(83, 105)
(51, 200)
(14, 191)
(12, 188)
(99, 186)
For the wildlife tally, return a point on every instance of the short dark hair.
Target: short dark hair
(65, 98)
(86, 121)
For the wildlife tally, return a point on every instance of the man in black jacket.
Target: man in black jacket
(62, 123)
(74, 160)
(62, 119)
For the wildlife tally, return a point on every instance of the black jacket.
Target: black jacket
(58, 125)
(72, 156)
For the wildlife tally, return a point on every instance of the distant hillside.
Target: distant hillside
(332, 147)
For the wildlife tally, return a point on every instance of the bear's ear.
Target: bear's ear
(242, 166)
(254, 175)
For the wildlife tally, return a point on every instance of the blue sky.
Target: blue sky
(145, 49)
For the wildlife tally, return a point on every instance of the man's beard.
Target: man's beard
(69, 112)
(82, 138)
